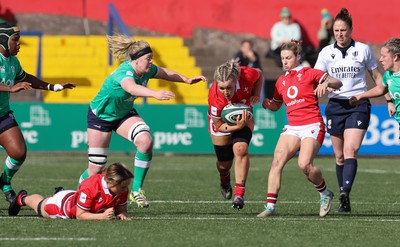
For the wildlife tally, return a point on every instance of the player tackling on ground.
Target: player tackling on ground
(100, 197)
(299, 88)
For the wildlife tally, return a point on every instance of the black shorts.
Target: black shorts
(7, 122)
(93, 122)
(340, 115)
(243, 135)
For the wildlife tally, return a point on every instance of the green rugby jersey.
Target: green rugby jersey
(112, 102)
(392, 82)
(10, 72)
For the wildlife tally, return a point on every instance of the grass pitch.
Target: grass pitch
(186, 208)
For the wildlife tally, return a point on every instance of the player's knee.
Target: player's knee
(350, 153)
(305, 166)
(98, 156)
(19, 154)
(240, 149)
(144, 143)
(138, 130)
(39, 208)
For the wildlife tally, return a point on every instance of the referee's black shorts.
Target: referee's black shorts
(340, 115)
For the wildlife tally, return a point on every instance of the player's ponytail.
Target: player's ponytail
(124, 47)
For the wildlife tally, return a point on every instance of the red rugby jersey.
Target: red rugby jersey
(244, 86)
(296, 90)
(94, 196)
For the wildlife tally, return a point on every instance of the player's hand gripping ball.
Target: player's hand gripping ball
(231, 111)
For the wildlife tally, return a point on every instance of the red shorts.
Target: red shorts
(59, 205)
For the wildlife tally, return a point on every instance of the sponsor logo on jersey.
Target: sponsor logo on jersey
(292, 93)
(333, 55)
(129, 73)
(82, 197)
(213, 110)
(343, 72)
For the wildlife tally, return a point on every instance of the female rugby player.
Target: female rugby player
(100, 197)
(299, 89)
(233, 84)
(13, 80)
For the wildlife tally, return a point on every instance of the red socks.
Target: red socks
(272, 198)
(240, 189)
(321, 187)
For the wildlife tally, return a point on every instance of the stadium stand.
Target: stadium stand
(84, 60)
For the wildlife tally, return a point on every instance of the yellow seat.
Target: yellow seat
(84, 60)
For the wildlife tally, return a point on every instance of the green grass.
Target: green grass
(187, 208)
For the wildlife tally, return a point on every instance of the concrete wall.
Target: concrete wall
(374, 22)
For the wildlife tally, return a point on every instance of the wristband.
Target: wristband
(50, 87)
(389, 101)
(55, 87)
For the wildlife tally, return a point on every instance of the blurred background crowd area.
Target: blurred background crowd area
(189, 37)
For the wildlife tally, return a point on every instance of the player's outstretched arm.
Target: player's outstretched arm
(42, 85)
(170, 75)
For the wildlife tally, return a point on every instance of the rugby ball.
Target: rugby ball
(231, 111)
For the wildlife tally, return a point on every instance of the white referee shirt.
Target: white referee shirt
(350, 68)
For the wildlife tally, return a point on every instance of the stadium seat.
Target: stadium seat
(84, 61)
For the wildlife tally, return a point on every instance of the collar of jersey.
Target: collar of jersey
(297, 69)
(104, 185)
(237, 85)
(4, 56)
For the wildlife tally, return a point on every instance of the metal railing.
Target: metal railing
(39, 34)
(115, 18)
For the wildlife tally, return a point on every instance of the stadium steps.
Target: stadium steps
(84, 61)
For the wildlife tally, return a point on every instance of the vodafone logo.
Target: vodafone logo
(292, 92)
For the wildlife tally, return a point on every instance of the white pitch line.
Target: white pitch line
(263, 202)
(273, 218)
(47, 239)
